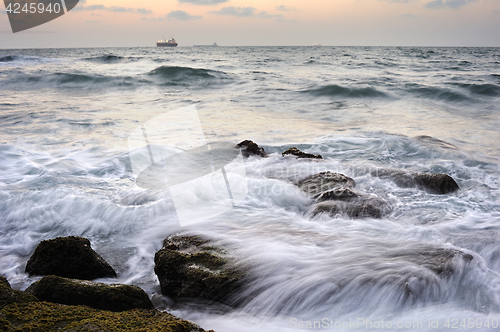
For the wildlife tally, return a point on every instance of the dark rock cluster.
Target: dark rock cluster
(71, 302)
(334, 194)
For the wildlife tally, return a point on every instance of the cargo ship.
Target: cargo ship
(167, 43)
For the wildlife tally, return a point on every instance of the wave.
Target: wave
(111, 58)
(433, 92)
(26, 81)
(8, 58)
(333, 90)
(487, 89)
(177, 75)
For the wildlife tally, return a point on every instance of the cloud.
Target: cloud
(496, 11)
(283, 8)
(285, 20)
(409, 15)
(455, 4)
(203, 2)
(181, 15)
(235, 11)
(116, 9)
(246, 12)
(266, 15)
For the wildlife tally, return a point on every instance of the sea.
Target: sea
(67, 168)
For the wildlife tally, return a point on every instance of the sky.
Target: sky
(128, 23)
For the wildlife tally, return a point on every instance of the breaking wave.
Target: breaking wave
(333, 90)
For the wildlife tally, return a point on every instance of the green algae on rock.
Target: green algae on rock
(48, 317)
(69, 257)
(114, 297)
(9, 295)
(192, 267)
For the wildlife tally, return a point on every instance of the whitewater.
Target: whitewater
(65, 169)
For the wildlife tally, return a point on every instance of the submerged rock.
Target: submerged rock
(70, 257)
(9, 295)
(249, 148)
(299, 154)
(359, 207)
(319, 183)
(191, 267)
(113, 297)
(334, 194)
(433, 183)
(48, 317)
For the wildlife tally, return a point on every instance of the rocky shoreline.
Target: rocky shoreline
(188, 266)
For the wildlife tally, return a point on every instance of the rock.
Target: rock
(334, 194)
(319, 183)
(9, 295)
(359, 207)
(49, 317)
(433, 183)
(249, 148)
(191, 267)
(339, 194)
(113, 297)
(299, 154)
(70, 257)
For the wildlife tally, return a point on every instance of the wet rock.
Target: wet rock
(48, 317)
(191, 267)
(319, 183)
(339, 194)
(334, 194)
(9, 295)
(70, 257)
(433, 183)
(299, 154)
(359, 207)
(249, 148)
(113, 297)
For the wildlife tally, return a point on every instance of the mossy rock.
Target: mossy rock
(48, 317)
(114, 297)
(299, 154)
(249, 148)
(9, 295)
(191, 267)
(69, 257)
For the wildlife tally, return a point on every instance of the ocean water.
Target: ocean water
(65, 169)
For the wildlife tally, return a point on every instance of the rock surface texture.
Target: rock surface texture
(70, 257)
(113, 297)
(439, 184)
(9, 295)
(192, 267)
(334, 194)
(49, 317)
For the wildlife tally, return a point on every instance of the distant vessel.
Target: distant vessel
(317, 44)
(213, 45)
(167, 43)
